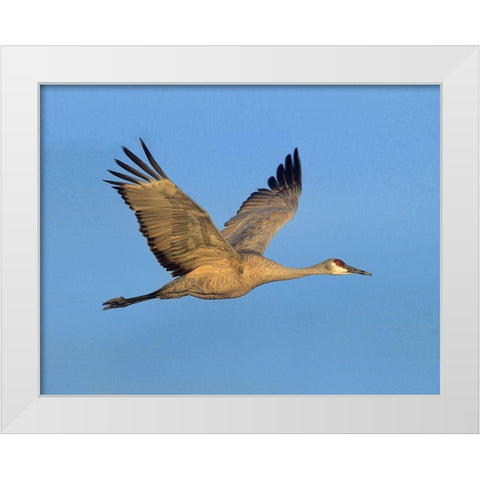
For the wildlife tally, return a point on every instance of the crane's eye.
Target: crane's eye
(338, 262)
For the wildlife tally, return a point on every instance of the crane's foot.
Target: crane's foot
(116, 302)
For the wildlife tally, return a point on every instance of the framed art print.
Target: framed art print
(387, 138)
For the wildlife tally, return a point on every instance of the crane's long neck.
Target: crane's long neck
(270, 271)
(289, 273)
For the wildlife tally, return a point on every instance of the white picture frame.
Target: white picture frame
(454, 410)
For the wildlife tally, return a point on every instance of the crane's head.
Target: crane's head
(335, 266)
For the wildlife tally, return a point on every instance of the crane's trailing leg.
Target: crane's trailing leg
(173, 289)
(119, 302)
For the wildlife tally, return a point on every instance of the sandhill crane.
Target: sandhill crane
(209, 264)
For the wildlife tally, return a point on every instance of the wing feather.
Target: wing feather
(266, 211)
(179, 232)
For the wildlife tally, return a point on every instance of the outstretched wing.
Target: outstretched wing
(179, 232)
(266, 211)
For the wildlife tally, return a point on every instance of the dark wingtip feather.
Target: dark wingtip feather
(297, 167)
(127, 178)
(152, 161)
(132, 170)
(282, 181)
(289, 170)
(113, 182)
(140, 163)
(272, 183)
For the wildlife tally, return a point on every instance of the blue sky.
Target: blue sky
(371, 176)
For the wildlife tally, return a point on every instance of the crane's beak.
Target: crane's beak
(356, 270)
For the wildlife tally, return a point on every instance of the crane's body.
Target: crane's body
(210, 264)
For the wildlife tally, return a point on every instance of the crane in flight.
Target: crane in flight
(205, 262)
